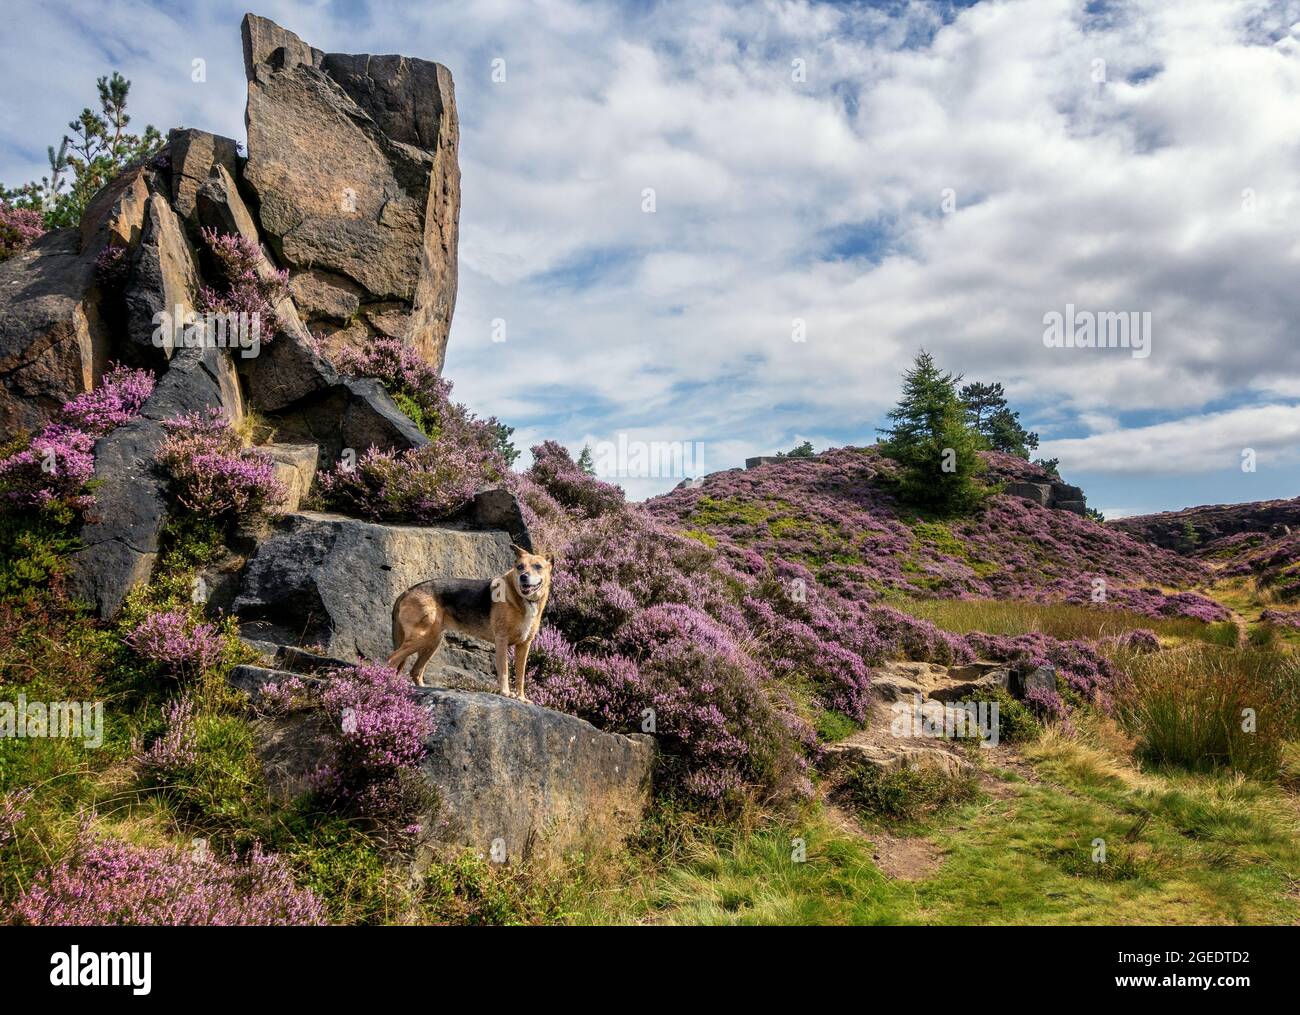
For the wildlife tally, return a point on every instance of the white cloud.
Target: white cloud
(1204, 443)
(677, 324)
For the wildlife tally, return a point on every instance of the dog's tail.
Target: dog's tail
(397, 631)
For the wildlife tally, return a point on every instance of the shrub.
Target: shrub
(175, 749)
(112, 883)
(175, 642)
(420, 485)
(905, 794)
(378, 733)
(19, 227)
(1188, 707)
(251, 287)
(720, 726)
(52, 470)
(559, 475)
(1018, 720)
(1081, 668)
(212, 472)
(425, 397)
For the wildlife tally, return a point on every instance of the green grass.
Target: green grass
(1060, 620)
(1179, 849)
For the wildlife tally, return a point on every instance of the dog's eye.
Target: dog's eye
(537, 567)
(519, 567)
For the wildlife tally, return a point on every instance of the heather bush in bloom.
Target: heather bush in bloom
(119, 398)
(12, 812)
(1084, 670)
(378, 733)
(718, 721)
(107, 882)
(176, 642)
(425, 397)
(419, 485)
(212, 472)
(252, 287)
(19, 227)
(176, 749)
(1281, 618)
(559, 475)
(54, 468)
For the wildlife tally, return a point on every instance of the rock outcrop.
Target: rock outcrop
(53, 343)
(513, 781)
(1168, 529)
(351, 183)
(331, 581)
(1052, 494)
(353, 161)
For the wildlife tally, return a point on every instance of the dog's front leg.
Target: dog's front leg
(521, 666)
(503, 667)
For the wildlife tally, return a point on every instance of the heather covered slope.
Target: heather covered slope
(835, 515)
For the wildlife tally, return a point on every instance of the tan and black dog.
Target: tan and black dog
(505, 610)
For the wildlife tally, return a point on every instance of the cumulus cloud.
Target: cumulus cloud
(934, 175)
(1203, 443)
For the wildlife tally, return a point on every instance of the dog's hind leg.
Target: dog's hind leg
(403, 652)
(424, 652)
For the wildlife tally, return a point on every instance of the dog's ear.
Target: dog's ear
(519, 550)
(550, 559)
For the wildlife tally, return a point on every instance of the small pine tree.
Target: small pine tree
(97, 150)
(991, 417)
(933, 441)
(804, 450)
(1095, 515)
(585, 461)
(1191, 538)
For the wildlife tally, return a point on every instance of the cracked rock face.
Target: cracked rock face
(353, 161)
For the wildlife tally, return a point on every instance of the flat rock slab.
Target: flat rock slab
(517, 780)
(513, 781)
(329, 581)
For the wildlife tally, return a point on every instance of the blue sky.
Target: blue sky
(893, 175)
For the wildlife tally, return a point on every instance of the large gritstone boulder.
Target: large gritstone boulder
(512, 781)
(353, 161)
(53, 344)
(330, 581)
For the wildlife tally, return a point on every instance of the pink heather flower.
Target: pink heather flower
(251, 287)
(212, 472)
(426, 484)
(55, 467)
(171, 639)
(19, 227)
(177, 748)
(12, 813)
(118, 399)
(420, 485)
(107, 882)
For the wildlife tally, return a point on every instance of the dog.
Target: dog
(506, 610)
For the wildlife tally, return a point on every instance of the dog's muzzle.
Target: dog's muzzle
(529, 588)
